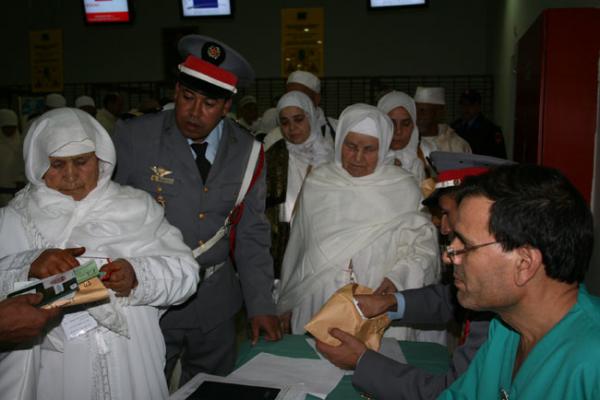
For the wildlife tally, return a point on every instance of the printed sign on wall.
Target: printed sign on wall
(46, 51)
(302, 32)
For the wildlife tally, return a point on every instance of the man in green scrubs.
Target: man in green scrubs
(523, 242)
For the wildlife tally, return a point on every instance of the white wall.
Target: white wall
(448, 37)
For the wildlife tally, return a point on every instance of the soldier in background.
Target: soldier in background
(483, 135)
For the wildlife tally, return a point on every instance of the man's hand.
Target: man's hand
(347, 354)
(55, 261)
(373, 305)
(386, 287)
(20, 320)
(269, 324)
(120, 277)
(285, 321)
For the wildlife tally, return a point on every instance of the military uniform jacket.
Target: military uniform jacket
(151, 146)
(483, 136)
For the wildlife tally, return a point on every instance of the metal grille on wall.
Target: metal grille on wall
(336, 92)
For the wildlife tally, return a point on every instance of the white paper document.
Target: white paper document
(311, 342)
(391, 349)
(318, 376)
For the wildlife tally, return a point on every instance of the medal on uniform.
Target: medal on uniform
(160, 176)
(159, 197)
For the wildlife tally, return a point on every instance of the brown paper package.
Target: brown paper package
(340, 312)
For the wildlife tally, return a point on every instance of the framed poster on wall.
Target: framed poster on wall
(206, 8)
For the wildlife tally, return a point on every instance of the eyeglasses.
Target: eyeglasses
(452, 252)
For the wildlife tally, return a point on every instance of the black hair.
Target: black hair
(538, 207)
(110, 98)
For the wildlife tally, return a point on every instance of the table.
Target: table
(432, 357)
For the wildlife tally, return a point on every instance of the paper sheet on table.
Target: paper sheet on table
(311, 342)
(389, 348)
(319, 377)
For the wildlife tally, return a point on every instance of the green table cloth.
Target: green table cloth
(432, 357)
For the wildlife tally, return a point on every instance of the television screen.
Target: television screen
(395, 3)
(107, 11)
(206, 8)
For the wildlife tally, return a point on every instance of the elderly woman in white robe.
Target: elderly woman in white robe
(289, 161)
(71, 209)
(402, 110)
(357, 221)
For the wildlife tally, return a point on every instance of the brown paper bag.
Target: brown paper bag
(340, 312)
(89, 291)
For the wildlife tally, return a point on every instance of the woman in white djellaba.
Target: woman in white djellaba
(357, 221)
(289, 162)
(71, 209)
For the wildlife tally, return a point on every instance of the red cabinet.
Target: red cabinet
(557, 82)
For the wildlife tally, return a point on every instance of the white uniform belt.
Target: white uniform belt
(207, 271)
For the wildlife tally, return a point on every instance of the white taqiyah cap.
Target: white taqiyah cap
(55, 100)
(430, 95)
(307, 79)
(7, 118)
(247, 100)
(82, 101)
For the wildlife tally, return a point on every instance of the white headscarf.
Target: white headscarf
(315, 150)
(66, 132)
(408, 155)
(368, 120)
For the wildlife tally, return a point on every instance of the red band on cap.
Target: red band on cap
(204, 70)
(454, 177)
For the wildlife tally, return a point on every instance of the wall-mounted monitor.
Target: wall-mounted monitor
(380, 4)
(107, 11)
(206, 8)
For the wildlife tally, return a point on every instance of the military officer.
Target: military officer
(193, 160)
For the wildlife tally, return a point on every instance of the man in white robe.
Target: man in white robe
(247, 113)
(71, 210)
(357, 221)
(435, 134)
(289, 161)
(109, 114)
